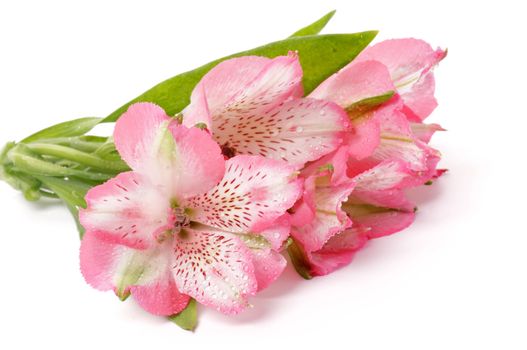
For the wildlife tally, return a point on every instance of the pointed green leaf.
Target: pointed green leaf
(320, 57)
(74, 127)
(188, 318)
(315, 27)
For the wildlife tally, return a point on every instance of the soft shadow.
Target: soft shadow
(46, 203)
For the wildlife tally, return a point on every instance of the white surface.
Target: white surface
(454, 280)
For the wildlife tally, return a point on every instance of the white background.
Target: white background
(455, 280)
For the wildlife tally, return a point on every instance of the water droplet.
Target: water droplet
(299, 129)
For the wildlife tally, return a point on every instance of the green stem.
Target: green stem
(31, 165)
(75, 142)
(77, 156)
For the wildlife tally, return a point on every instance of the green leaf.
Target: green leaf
(188, 318)
(320, 57)
(74, 127)
(315, 27)
(366, 105)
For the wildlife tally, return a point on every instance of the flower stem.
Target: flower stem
(78, 156)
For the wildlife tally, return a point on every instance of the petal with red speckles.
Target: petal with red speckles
(126, 209)
(146, 274)
(215, 268)
(297, 131)
(255, 108)
(242, 85)
(254, 192)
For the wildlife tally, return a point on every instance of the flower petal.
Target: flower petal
(410, 62)
(240, 85)
(325, 201)
(355, 82)
(215, 268)
(277, 232)
(337, 252)
(297, 131)
(198, 164)
(138, 133)
(179, 161)
(253, 193)
(268, 266)
(379, 221)
(143, 273)
(424, 132)
(126, 209)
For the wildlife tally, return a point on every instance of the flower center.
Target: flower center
(181, 219)
(178, 220)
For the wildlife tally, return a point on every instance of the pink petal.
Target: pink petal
(268, 266)
(380, 221)
(253, 193)
(243, 84)
(277, 232)
(198, 111)
(137, 133)
(297, 131)
(424, 132)
(382, 185)
(410, 62)
(397, 141)
(325, 202)
(337, 252)
(420, 101)
(126, 209)
(364, 138)
(198, 164)
(144, 273)
(178, 161)
(355, 82)
(215, 268)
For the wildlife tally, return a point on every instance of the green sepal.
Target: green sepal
(320, 57)
(70, 128)
(315, 27)
(368, 104)
(298, 259)
(188, 318)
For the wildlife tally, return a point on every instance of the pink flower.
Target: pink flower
(342, 208)
(253, 105)
(387, 91)
(185, 222)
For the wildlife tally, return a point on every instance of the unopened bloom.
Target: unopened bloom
(184, 222)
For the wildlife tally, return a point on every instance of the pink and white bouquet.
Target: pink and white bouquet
(304, 146)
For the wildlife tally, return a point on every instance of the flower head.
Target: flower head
(253, 105)
(184, 222)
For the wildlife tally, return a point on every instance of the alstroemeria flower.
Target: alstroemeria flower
(184, 222)
(342, 208)
(253, 105)
(410, 63)
(386, 92)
